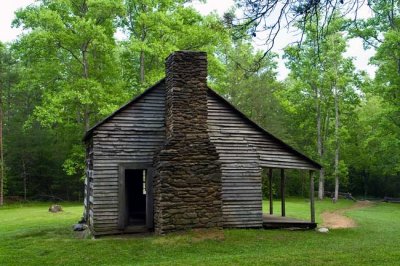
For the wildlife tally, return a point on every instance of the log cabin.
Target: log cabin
(180, 156)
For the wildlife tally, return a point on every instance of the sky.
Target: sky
(355, 49)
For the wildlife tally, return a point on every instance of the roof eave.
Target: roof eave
(312, 162)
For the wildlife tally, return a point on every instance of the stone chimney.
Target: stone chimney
(187, 186)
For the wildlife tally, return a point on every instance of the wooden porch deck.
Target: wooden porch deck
(277, 222)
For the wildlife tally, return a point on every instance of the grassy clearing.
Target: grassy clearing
(30, 235)
(300, 208)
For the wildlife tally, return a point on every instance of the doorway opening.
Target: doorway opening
(135, 191)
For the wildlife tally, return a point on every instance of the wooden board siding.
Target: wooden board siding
(131, 136)
(88, 205)
(241, 173)
(243, 151)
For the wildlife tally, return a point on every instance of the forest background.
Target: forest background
(68, 70)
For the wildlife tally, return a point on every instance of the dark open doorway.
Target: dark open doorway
(135, 191)
(136, 212)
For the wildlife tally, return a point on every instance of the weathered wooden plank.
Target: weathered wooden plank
(241, 206)
(142, 140)
(232, 218)
(234, 138)
(123, 158)
(133, 136)
(123, 134)
(284, 166)
(241, 187)
(221, 119)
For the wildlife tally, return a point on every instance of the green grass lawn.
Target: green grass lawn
(300, 208)
(30, 235)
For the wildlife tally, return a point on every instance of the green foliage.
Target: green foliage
(157, 28)
(73, 165)
(373, 153)
(320, 75)
(387, 80)
(68, 70)
(72, 73)
(252, 90)
(376, 163)
(69, 60)
(33, 153)
(71, 46)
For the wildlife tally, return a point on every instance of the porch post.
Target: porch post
(312, 204)
(283, 193)
(271, 203)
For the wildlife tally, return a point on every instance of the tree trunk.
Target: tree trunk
(321, 184)
(85, 63)
(142, 67)
(319, 145)
(303, 182)
(365, 180)
(86, 119)
(337, 147)
(24, 178)
(1, 150)
(143, 35)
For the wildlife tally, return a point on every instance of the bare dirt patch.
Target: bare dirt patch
(207, 234)
(337, 219)
(191, 236)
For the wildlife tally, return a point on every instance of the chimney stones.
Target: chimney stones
(187, 186)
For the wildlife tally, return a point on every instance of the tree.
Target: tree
(8, 78)
(268, 17)
(322, 78)
(252, 92)
(382, 32)
(341, 76)
(381, 109)
(33, 154)
(69, 56)
(157, 28)
(373, 154)
(2, 66)
(73, 73)
(79, 35)
(306, 76)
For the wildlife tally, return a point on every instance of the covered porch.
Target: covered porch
(280, 220)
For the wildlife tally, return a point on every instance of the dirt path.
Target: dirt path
(337, 219)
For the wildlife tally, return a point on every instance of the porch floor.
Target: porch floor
(276, 222)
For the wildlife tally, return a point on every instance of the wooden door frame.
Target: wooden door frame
(149, 193)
